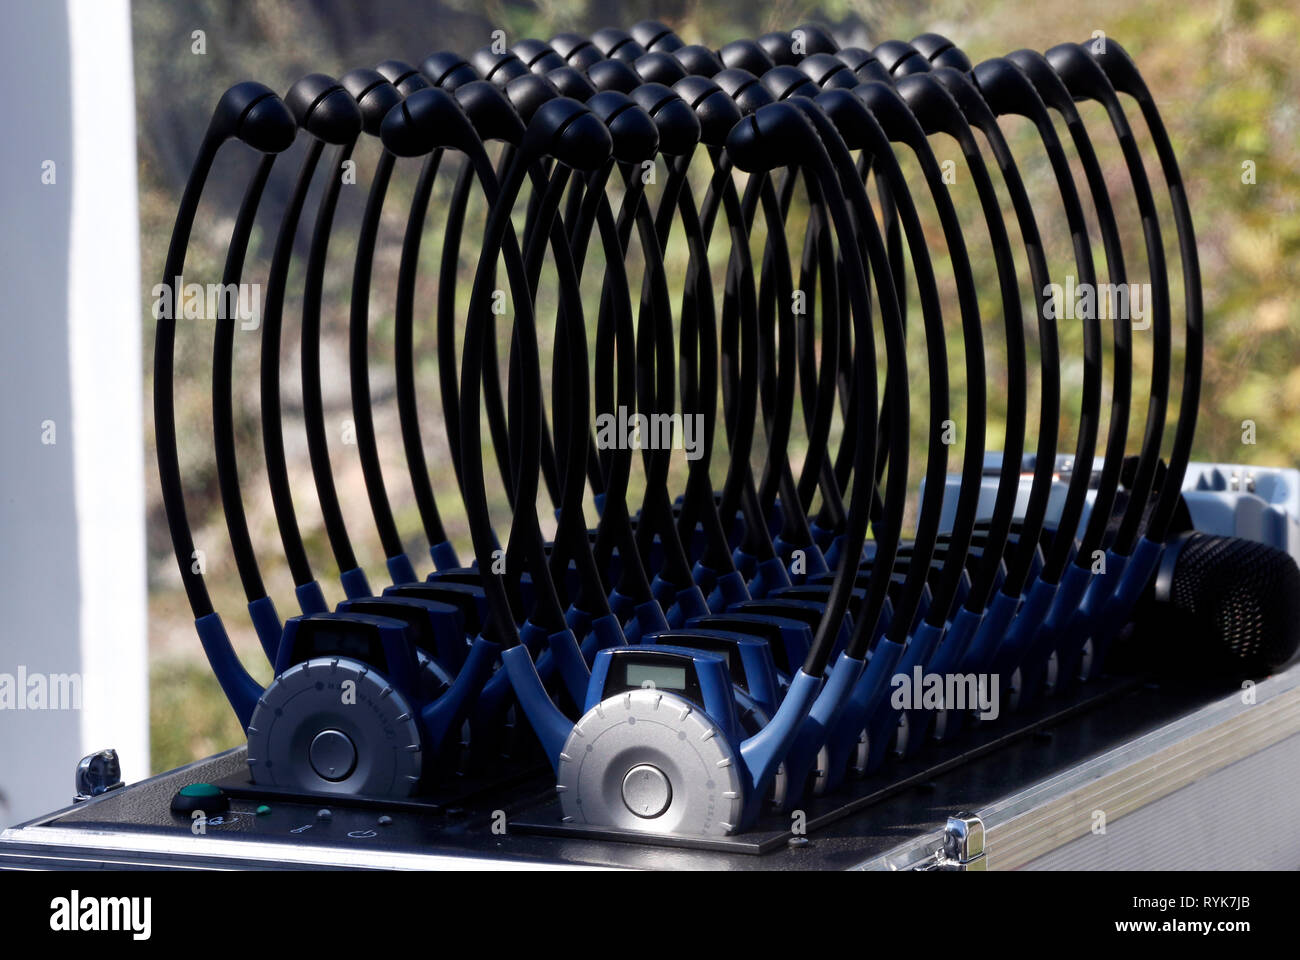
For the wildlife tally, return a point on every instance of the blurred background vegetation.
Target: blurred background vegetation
(1222, 71)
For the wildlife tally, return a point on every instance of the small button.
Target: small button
(200, 796)
(333, 755)
(646, 791)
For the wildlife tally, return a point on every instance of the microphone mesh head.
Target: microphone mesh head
(1239, 600)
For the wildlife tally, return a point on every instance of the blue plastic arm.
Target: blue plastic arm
(312, 600)
(763, 752)
(400, 569)
(355, 585)
(240, 689)
(444, 556)
(266, 623)
(549, 723)
(448, 712)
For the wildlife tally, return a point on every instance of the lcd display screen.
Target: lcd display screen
(656, 677)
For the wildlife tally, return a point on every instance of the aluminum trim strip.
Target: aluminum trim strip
(1058, 810)
(127, 842)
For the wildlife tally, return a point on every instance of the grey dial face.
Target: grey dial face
(333, 725)
(650, 761)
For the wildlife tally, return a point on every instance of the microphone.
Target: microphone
(1228, 607)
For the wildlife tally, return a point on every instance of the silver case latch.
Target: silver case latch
(963, 845)
(97, 773)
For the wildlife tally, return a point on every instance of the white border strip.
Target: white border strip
(106, 375)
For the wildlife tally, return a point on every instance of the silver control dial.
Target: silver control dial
(650, 761)
(333, 725)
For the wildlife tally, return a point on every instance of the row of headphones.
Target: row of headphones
(687, 662)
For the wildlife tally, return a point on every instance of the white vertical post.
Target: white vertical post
(72, 550)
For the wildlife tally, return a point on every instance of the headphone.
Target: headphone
(786, 82)
(1030, 657)
(414, 135)
(656, 795)
(375, 95)
(349, 711)
(324, 109)
(940, 113)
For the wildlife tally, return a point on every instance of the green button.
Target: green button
(203, 790)
(263, 810)
(200, 797)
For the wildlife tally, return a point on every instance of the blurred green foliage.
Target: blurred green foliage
(1222, 72)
